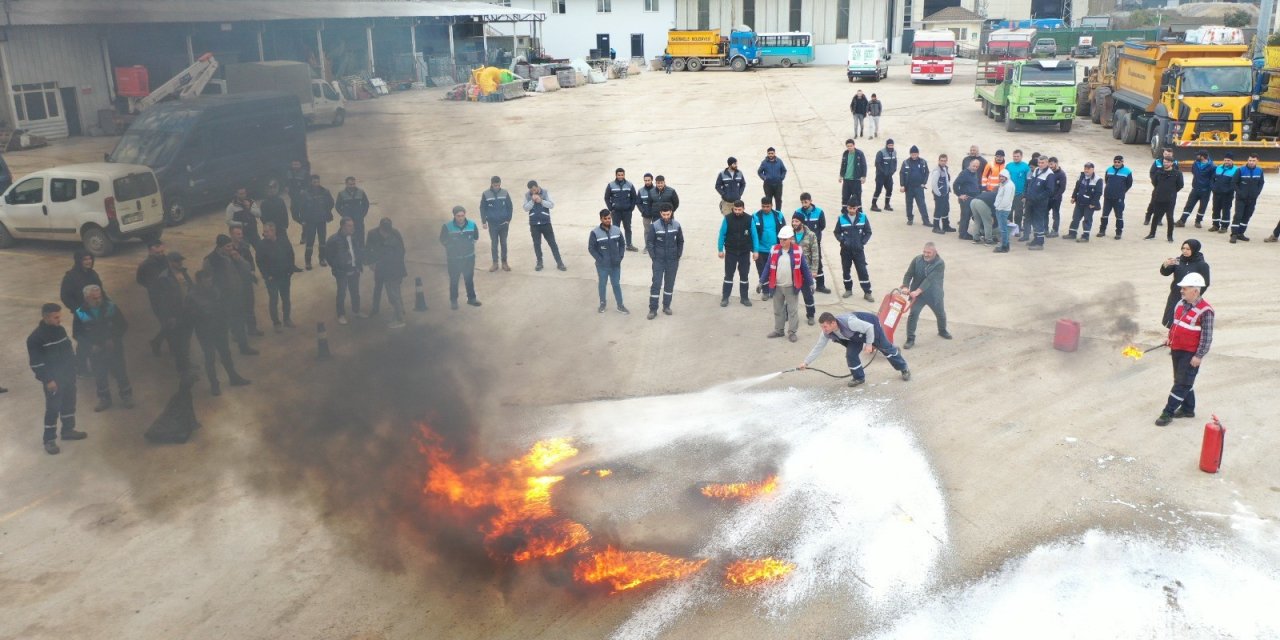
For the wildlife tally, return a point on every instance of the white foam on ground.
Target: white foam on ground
(1114, 586)
(857, 509)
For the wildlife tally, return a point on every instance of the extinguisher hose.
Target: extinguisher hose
(832, 375)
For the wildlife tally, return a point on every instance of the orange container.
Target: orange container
(133, 82)
(1066, 335)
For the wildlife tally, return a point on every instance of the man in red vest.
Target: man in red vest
(1190, 336)
(786, 274)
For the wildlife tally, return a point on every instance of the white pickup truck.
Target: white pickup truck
(322, 102)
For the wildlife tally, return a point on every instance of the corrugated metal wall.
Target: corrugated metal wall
(70, 56)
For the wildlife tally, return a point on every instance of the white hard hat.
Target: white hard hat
(1192, 280)
(786, 232)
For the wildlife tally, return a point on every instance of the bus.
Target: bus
(1005, 45)
(933, 56)
(784, 49)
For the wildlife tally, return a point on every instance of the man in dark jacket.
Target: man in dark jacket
(1087, 198)
(1201, 188)
(815, 220)
(886, 169)
(495, 215)
(100, 326)
(53, 362)
(1041, 185)
(666, 242)
(297, 181)
(853, 173)
(1189, 260)
(858, 107)
(168, 298)
(736, 246)
(538, 204)
(229, 273)
(148, 270)
(80, 275)
(1224, 193)
(458, 236)
(1158, 166)
(974, 154)
(914, 178)
(1249, 182)
(275, 263)
(1055, 203)
(1166, 184)
(275, 211)
(245, 251)
(315, 216)
(620, 198)
(1116, 183)
(646, 197)
(385, 248)
(731, 185)
(352, 202)
(209, 319)
(967, 186)
(772, 173)
(923, 281)
(346, 262)
(663, 194)
(853, 232)
(607, 246)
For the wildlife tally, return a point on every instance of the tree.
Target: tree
(1238, 19)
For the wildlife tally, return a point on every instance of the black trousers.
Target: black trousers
(915, 196)
(108, 364)
(762, 261)
(810, 309)
(1222, 208)
(934, 302)
(851, 191)
(966, 215)
(1055, 213)
(179, 338)
(623, 220)
(498, 237)
(1082, 216)
(1019, 209)
(214, 344)
(60, 405)
(1183, 394)
(942, 211)
(858, 260)
(1162, 210)
(311, 232)
(1109, 205)
(1196, 197)
(1244, 211)
(545, 231)
(464, 268)
(664, 281)
(820, 276)
(739, 261)
(278, 294)
(882, 182)
(1037, 219)
(774, 190)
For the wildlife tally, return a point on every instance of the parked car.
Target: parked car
(1084, 51)
(205, 148)
(1045, 48)
(99, 204)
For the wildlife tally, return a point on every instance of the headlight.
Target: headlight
(915, 69)
(1248, 126)
(1068, 109)
(1024, 109)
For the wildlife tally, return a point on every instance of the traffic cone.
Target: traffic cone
(419, 298)
(322, 342)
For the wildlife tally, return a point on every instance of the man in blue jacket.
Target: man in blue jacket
(772, 172)
(814, 219)
(853, 232)
(1115, 184)
(459, 237)
(766, 222)
(608, 247)
(1041, 186)
(967, 186)
(886, 169)
(731, 185)
(1201, 188)
(495, 216)
(859, 331)
(665, 240)
(620, 198)
(538, 204)
(1224, 193)
(1248, 186)
(53, 361)
(1087, 197)
(914, 177)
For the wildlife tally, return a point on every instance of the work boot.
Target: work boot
(1241, 237)
(911, 342)
(493, 267)
(886, 205)
(944, 335)
(215, 389)
(666, 311)
(1002, 249)
(1083, 238)
(473, 302)
(127, 402)
(72, 434)
(1270, 238)
(1070, 235)
(724, 302)
(632, 247)
(1051, 234)
(746, 302)
(1234, 236)
(538, 267)
(1181, 223)
(653, 313)
(505, 266)
(1035, 246)
(809, 320)
(875, 205)
(603, 305)
(1198, 225)
(906, 375)
(856, 381)
(249, 351)
(868, 297)
(1184, 414)
(937, 229)
(1164, 419)
(1118, 234)
(792, 336)
(103, 405)
(564, 268)
(775, 334)
(239, 381)
(947, 228)
(453, 304)
(826, 290)
(51, 448)
(848, 293)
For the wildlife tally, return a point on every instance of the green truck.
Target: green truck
(1033, 92)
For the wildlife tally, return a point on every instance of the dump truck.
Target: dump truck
(1187, 97)
(1033, 92)
(1266, 105)
(322, 103)
(697, 50)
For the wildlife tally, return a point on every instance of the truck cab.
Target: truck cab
(328, 106)
(1033, 92)
(1203, 100)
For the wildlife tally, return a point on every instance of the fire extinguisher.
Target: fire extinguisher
(1211, 449)
(893, 309)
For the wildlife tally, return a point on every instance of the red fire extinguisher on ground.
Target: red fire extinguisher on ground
(1211, 450)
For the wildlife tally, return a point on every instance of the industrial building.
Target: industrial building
(58, 57)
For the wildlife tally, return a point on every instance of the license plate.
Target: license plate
(1044, 117)
(131, 218)
(931, 76)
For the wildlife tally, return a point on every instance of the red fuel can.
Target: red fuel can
(1211, 450)
(1066, 335)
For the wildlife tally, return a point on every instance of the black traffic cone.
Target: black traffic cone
(322, 342)
(419, 298)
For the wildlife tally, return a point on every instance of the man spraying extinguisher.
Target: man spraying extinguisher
(1190, 336)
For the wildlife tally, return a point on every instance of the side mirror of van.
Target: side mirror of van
(9, 198)
(888, 56)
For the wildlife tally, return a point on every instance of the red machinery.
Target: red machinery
(893, 309)
(1211, 450)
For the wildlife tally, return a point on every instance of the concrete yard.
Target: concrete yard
(1007, 491)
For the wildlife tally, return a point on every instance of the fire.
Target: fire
(748, 572)
(1132, 351)
(741, 490)
(599, 473)
(624, 570)
(518, 493)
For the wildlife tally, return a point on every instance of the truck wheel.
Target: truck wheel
(1065, 125)
(175, 210)
(339, 117)
(786, 63)
(1157, 144)
(1094, 115)
(1131, 130)
(999, 114)
(6, 238)
(694, 64)
(1117, 127)
(740, 64)
(1009, 123)
(677, 64)
(851, 79)
(96, 241)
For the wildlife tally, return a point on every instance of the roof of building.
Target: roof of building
(954, 14)
(66, 12)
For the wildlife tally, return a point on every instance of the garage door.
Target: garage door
(38, 109)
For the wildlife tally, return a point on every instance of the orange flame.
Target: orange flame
(517, 493)
(741, 490)
(1132, 351)
(624, 570)
(599, 473)
(748, 572)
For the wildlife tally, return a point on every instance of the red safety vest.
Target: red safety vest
(1184, 333)
(796, 275)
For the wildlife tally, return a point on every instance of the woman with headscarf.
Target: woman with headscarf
(1190, 261)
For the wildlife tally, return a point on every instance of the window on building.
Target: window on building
(796, 7)
(704, 14)
(842, 19)
(604, 6)
(749, 13)
(651, 6)
(557, 6)
(35, 101)
(906, 14)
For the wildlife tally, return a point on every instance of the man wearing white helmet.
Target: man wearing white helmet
(1189, 339)
(786, 274)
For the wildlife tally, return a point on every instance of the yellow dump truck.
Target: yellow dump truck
(697, 50)
(1266, 109)
(1187, 97)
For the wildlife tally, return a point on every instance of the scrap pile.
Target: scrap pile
(489, 84)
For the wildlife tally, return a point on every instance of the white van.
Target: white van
(868, 60)
(98, 204)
